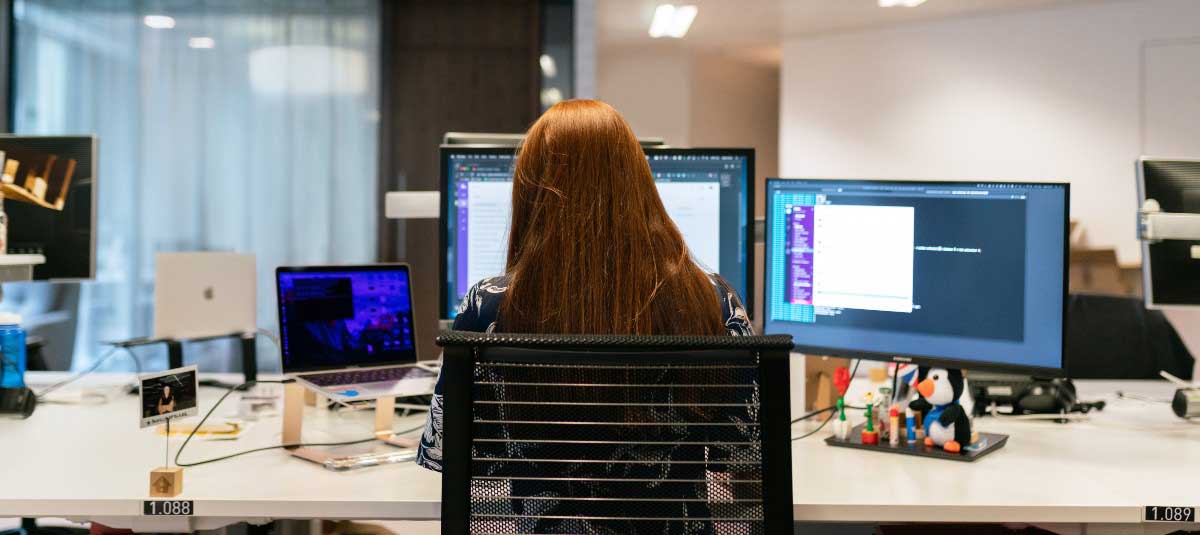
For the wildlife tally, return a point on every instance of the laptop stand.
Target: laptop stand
(293, 421)
(175, 350)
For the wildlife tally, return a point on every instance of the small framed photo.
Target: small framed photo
(169, 394)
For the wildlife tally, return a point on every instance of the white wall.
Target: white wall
(585, 48)
(1042, 94)
(697, 98)
(1052, 94)
(651, 87)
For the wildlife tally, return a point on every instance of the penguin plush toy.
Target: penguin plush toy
(945, 420)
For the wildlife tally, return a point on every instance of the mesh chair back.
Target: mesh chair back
(615, 434)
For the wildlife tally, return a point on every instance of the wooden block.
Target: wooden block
(166, 482)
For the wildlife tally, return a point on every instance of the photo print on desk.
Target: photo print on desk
(169, 394)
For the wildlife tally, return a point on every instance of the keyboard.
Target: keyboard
(377, 375)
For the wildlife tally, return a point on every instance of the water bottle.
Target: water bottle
(12, 351)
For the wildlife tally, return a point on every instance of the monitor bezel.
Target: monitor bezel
(443, 210)
(931, 360)
(334, 268)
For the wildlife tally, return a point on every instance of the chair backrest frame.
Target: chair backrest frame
(462, 351)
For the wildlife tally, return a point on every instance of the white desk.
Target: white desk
(1102, 471)
(92, 463)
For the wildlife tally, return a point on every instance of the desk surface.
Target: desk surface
(93, 463)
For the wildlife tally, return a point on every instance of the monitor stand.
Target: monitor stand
(982, 444)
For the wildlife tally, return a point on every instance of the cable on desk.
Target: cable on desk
(832, 414)
(243, 386)
(77, 376)
(1061, 417)
(1139, 397)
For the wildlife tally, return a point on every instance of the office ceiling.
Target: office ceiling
(756, 27)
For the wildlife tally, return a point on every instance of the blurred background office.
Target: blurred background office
(256, 127)
(276, 127)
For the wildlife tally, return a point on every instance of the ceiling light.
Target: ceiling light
(673, 21)
(201, 42)
(551, 96)
(901, 3)
(159, 22)
(549, 67)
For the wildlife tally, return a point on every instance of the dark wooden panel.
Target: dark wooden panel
(446, 66)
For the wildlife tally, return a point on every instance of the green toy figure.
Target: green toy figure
(869, 435)
(841, 428)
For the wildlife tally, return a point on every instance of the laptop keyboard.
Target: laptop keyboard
(376, 375)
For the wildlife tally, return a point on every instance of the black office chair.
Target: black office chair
(1116, 337)
(615, 434)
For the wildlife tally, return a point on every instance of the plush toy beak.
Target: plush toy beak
(925, 388)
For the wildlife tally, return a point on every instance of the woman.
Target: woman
(591, 248)
(166, 400)
(591, 251)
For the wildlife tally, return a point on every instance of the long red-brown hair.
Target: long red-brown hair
(591, 248)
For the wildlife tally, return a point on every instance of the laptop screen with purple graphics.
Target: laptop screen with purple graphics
(345, 316)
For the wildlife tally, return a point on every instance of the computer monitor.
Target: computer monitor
(49, 187)
(708, 193)
(953, 274)
(333, 317)
(1171, 268)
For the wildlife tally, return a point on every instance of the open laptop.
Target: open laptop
(348, 331)
(202, 295)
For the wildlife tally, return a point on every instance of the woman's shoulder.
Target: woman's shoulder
(479, 308)
(733, 312)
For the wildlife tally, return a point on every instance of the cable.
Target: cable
(77, 376)
(1050, 417)
(832, 407)
(243, 386)
(832, 414)
(275, 340)
(1142, 398)
(814, 431)
(825, 410)
(815, 413)
(137, 362)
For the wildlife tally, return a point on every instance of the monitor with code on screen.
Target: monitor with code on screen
(968, 275)
(695, 185)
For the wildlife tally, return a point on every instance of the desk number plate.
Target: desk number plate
(168, 508)
(1158, 513)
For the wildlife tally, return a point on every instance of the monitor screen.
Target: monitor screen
(338, 317)
(49, 195)
(969, 275)
(707, 192)
(1171, 268)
